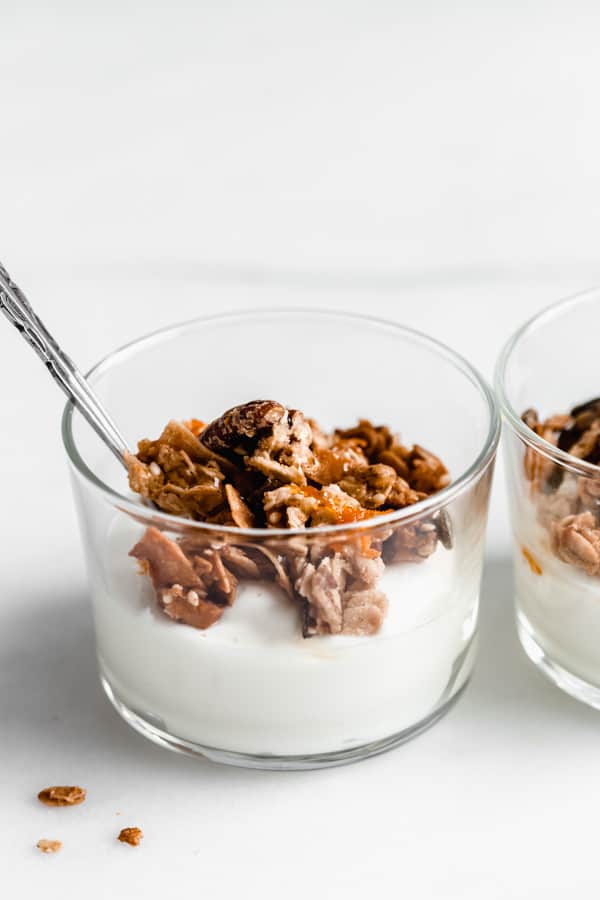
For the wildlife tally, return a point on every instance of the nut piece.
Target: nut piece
(132, 836)
(47, 846)
(62, 796)
(576, 540)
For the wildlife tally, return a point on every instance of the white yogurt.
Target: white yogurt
(252, 684)
(561, 605)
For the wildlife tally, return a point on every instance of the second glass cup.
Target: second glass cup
(548, 383)
(256, 688)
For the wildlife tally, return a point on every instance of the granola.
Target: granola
(47, 846)
(131, 836)
(193, 588)
(263, 465)
(568, 504)
(62, 796)
(340, 595)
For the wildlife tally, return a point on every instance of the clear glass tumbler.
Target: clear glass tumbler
(251, 690)
(548, 382)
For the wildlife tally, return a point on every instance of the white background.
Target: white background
(435, 163)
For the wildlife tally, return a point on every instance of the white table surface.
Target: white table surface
(434, 165)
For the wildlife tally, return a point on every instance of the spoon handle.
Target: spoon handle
(18, 310)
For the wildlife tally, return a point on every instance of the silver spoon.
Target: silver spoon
(17, 309)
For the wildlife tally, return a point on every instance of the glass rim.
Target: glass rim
(511, 416)
(407, 514)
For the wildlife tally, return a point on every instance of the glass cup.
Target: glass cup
(251, 690)
(547, 370)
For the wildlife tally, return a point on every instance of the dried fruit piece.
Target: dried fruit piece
(533, 563)
(590, 406)
(131, 836)
(237, 432)
(333, 458)
(196, 426)
(47, 846)
(62, 796)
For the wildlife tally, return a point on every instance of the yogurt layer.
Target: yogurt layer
(252, 684)
(561, 604)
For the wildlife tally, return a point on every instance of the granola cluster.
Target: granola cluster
(568, 504)
(262, 465)
(62, 795)
(48, 846)
(132, 836)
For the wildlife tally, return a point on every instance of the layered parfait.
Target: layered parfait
(286, 609)
(558, 527)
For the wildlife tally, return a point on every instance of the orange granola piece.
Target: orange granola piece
(196, 426)
(47, 846)
(132, 836)
(533, 563)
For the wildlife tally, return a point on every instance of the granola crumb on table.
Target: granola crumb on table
(62, 796)
(568, 504)
(47, 846)
(261, 465)
(131, 836)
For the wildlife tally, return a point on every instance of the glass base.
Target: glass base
(278, 763)
(568, 682)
